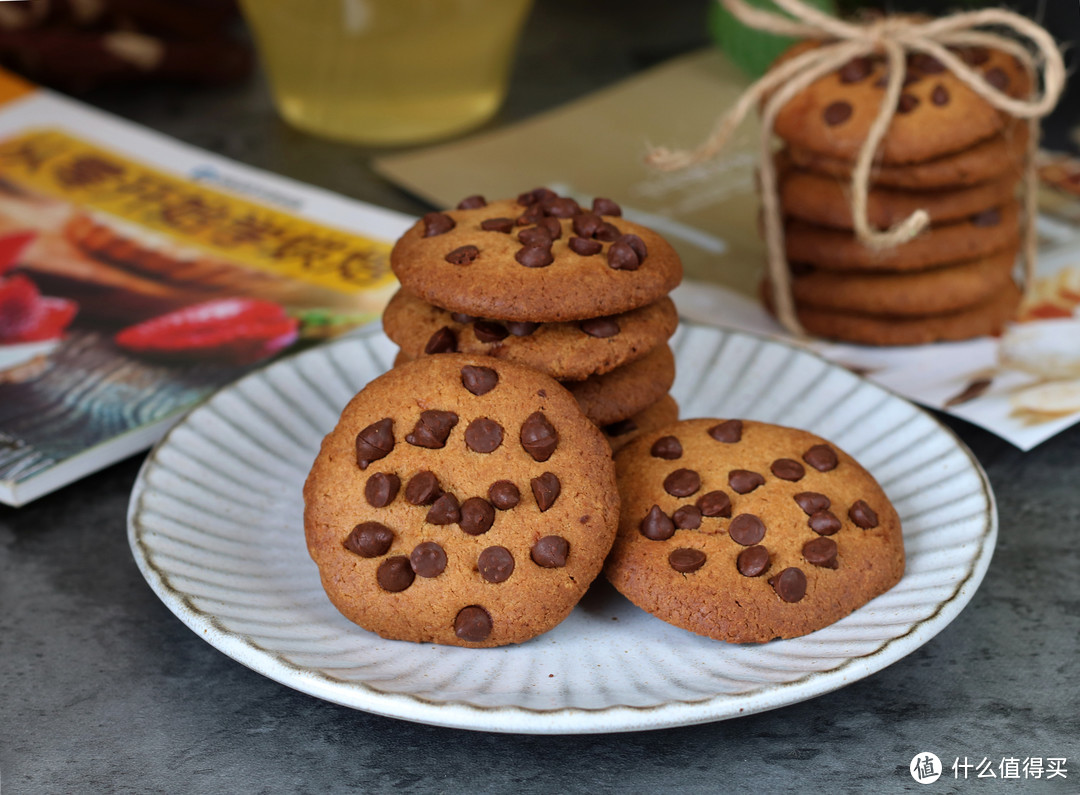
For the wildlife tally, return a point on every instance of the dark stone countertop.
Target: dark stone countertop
(102, 689)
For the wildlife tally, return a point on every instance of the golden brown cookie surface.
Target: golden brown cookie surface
(663, 412)
(539, 258)
(745, 532)
(626, 390)
(460, 500)
(565, 351)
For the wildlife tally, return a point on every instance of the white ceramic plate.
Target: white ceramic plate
(215, 526)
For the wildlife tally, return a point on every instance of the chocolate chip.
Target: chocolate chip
(790, 584)
(477, 516)
(442, 341)
(602, 206)
(381, 488)
(534, 256)
(504, 495)
(546, 489)
(496, 564)
(395, 574)
(462, 318)
(538, 436)
(657, 525)
(811, 502)
(463, 255)
(987, 218)
(423, 488)
(432, 429)
(820, 552)
(584, 247)
(837, 113)
(478, 380)
(907, 103)
(607, 232)
(621, 427)
(561, 207)
(374, 442)
(753, 561)
(635, 243)
(743, 481)
(474, 202)
(445, 510)
(621, 257)
(682, 483)
(472, 624)
(437, 224)
(521, 328)
(821, 457)
(685, 560)
(428, 559)
(370, 539)
(940, 96)
(600, 327)
(824, 523)
(504, 225)
(535, 236)
(550, 552)
(530, 216)
(863, 515)
(787, 469)
(483, 435)
(667, 447)
(973, 56)
(688, 517)
(746, 529)
(925, 63)
(997, 78)
(715, 503)
(855, 70)
(728, 432)
(489, 331)
(553, 227)
(586, 224)
(535, 196)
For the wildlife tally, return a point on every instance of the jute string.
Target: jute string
(894, 36)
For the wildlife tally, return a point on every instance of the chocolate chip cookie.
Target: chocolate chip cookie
(460, 500)
(566, 351)
(663, 412)
(540, 258)
(745, 532)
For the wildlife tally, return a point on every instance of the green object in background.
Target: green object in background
(753, 50)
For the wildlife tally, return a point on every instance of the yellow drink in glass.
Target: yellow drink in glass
(387, 71)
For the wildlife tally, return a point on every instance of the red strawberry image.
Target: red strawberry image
(25, 314)
(12, 248)
(230, 330)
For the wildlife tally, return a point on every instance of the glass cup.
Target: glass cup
(387, 71)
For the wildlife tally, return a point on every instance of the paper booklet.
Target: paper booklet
(138, 274)
(1025, 387)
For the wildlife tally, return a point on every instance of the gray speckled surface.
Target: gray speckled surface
(103, 690)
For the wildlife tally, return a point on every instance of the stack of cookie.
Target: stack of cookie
(578, 294)
(948, 152)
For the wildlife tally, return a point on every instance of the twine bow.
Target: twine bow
(896, 36)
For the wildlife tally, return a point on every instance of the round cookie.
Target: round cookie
(934, 291)
(826, 201)
(1000, 156)
(975, 238)
(663, 412)
(565, 351)
(746, 532)
(988, 318)
(626, 390)
(460, 500)
(498, 260)
(937, 113)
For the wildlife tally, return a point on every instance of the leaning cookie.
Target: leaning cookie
(565, 351)
(460, 500)
(663, 412)
(746, 532)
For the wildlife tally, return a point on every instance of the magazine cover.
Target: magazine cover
(138, 274)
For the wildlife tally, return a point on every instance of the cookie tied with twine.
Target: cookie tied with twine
(895, 37)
